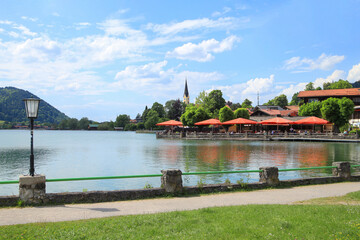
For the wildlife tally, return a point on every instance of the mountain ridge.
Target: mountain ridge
(12, 108)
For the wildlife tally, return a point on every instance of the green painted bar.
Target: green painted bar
(159, 175)
(9, 182)
(220, 172)
(302, 169)
(101, 178)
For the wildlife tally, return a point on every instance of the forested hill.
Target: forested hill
(12, 107)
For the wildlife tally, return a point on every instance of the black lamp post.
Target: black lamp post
(32, 109)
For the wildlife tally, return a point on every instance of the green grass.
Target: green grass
(350, 199)
(238, 222)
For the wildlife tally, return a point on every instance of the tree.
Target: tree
(152, 119)
(242, 113)
(194, 114)
(341, 84)
(145, 112)
(326, 85)
(235, 106)
(140, 126)
(318, 88)
(281, 101)
(122, 120)
(174, 109)
(159, 108)
(64, 124)
(310, 109)
(83, 123)
(346, 108)
(73, 123)
(226, 114)
(214, 101)
(270, 103)
(130, 127)
(200, 100)
(309, 87)
(295, 100)
(337, 111)
(246, 103)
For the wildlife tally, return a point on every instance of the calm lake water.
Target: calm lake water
(63, 154)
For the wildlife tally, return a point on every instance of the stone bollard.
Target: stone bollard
(269, 175)
(32, 189)
(342, 169)
(246, 134)
(171, 180)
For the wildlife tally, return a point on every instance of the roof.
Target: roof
(293, 107)
(330, 93)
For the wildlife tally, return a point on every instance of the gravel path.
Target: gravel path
(11, 216)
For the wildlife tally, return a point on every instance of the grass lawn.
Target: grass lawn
(238, 222)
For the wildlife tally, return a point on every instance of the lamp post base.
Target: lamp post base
(32, 189)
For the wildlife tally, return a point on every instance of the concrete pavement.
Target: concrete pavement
(11, 216)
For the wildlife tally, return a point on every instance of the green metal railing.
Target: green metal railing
(185, 173)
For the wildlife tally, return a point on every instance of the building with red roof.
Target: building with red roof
(321, 95)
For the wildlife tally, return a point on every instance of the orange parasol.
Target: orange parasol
(312, 121)
(211, 121)
(170, 123)
(276, 121)
(239, 121)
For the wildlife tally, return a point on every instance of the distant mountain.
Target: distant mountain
(12, 107)
(356, 84)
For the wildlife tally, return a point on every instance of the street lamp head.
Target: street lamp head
(32, 107)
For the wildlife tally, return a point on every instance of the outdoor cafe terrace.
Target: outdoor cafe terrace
(259, 128)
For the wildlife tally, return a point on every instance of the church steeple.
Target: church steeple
(186, 93)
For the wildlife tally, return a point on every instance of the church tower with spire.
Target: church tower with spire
(186, 98)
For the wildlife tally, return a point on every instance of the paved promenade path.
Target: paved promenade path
(10, 216)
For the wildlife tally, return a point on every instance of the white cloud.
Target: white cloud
(82, 25)
(261, 85)
(250, 89)
(29, 19)
(25, 30)
(154, 78)
(202, 52)
(190, 25)
(55, 14)
(289, 92)
(117, 27)
(224, 11)
(335, 76)
(323, 62)
(354, 73)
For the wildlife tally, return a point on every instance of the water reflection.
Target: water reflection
(60, 154)
(13, 161)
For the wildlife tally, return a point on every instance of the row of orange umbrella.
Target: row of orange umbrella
(272, 121)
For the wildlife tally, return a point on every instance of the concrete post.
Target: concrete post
(246, 134)
(32, 189)
(171, 180)
(269, 175)
(342, 169)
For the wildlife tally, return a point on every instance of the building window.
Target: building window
(356, 100)
(313, 100)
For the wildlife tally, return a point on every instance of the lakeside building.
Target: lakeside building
(275, 111)
(321, 95)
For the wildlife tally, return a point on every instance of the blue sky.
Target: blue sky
(99, 59)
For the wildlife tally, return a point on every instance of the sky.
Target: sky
(99, 59)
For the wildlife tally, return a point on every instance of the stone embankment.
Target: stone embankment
(248, 136)
(171, 184)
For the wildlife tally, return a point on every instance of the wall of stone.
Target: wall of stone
(120, 195)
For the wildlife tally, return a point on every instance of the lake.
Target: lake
(63, 154)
